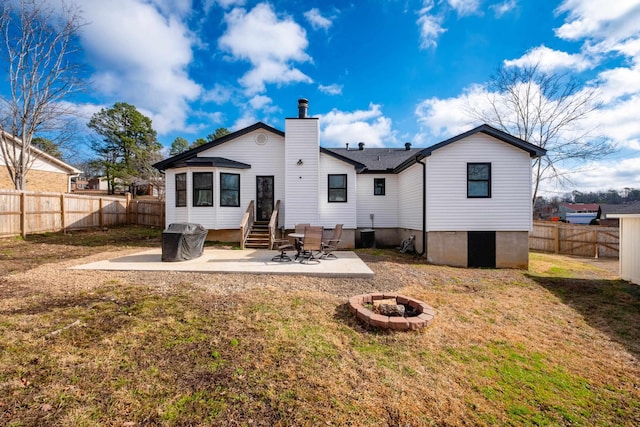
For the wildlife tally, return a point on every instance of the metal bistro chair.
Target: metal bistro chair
(311, 245)
(332, 244)
(283, 246)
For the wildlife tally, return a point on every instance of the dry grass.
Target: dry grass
(557, 345)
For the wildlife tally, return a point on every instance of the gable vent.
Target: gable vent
(261, 138)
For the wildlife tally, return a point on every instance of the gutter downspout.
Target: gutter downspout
(424, 206)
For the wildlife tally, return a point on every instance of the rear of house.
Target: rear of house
(467, 200)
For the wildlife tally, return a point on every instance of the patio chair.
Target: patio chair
(332, 244)
(311, 245)
(301, 227)
(283, 248)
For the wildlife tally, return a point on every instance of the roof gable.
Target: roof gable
(533, 150)
(41, 155)
(180, 159)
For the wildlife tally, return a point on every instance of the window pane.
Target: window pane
(203, 180)
(181, 190)
(181, 181)
(478, 189)
(479, 172)
(337, 188)
(203, 189)
(229, 189)
(337, 181)
(229, 181)
(337, 195)
(378, 186)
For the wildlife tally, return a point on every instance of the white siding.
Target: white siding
(630, 248)
(176, 214)
(508, 209)
(265, 160)
(384, 208)
(410, 189)
(337, 213)
(302, 181)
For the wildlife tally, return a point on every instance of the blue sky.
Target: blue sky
(379, 71)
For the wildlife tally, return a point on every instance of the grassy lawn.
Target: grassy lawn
(556, 345)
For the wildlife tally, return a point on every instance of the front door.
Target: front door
(264, 197)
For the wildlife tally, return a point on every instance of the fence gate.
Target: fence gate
(575, 239)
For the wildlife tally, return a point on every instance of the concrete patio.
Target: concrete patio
(248, 261)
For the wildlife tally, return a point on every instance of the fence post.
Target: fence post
(62, 216)
(128, 208)
(23, 214)
(597, 243)
(100, 208)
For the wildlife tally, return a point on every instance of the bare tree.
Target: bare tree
(550, 110)
(40, 44)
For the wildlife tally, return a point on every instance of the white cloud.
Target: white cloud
(145, 68)
(443, 118)
(599, 19)
(259, 101)
(368, 126)
(465, 7)
(334, 89)
(219, 94)
(430, 26)
(616, 174)
(270, 44)
(247, 119)
(550, 60)
(501, 9)
(619, 83)
(226, 4)
(316, 19)
(619, 121)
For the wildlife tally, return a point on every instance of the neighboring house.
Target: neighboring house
(47, 173)
(578, 213)
(629, 246)
(606, 212)
(467, 199)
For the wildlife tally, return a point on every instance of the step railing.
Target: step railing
(273, 224)
(246, 225)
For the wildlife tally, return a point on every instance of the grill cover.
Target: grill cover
(183, 241)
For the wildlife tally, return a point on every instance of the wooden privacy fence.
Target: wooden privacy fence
(28, 212)
(575, 239)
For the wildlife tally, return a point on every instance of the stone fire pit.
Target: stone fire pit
(391, 311)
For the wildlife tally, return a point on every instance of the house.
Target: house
(607, 212)
(578, 213)
(467, 199)
(629, 246)
(47, 173)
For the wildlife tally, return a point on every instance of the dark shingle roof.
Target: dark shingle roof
(626, 208)
(376, 159)
(219, 162)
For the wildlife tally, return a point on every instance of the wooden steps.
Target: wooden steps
(259, 236)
